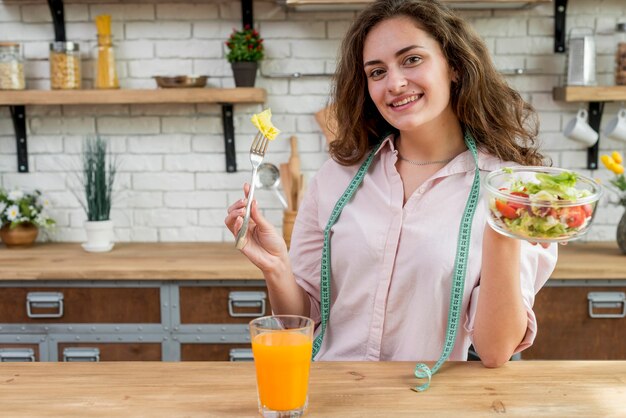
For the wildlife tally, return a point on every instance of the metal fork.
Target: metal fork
(257, 152)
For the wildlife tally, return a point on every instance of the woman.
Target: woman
(415, 93)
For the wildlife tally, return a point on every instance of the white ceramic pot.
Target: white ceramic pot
(99, 236)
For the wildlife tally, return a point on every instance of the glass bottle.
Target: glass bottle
(11, 67)
(620, 55)
(106, 74)
(65, 70)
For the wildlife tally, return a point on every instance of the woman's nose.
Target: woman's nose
(396, 81)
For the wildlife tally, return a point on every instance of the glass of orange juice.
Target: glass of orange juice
(282, 347)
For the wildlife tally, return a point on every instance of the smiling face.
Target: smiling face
(408, 78)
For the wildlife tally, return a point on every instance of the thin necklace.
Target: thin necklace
(447, 160)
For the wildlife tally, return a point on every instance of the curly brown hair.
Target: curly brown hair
(500, 121)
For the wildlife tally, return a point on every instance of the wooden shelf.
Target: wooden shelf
(18, 100)
(320, 5)
(81, 97)
(589, 93)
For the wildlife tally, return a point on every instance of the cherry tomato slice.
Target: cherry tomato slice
(506, 210)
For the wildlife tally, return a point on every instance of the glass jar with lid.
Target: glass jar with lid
(620, 55)
(11, 67)
(65, 71)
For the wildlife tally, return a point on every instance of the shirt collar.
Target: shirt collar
(462, 163)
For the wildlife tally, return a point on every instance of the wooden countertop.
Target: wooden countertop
(593, 260)
(346, 389)
(213, 261)
(128, 261)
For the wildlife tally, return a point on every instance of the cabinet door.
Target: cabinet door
(566, 330)
(214, 352)
(222, 305)
(79, 305)
(118, 351)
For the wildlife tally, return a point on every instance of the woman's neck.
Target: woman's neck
(432, 143)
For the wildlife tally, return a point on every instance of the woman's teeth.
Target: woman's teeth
(405, 101)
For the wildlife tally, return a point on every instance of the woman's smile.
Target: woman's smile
(405, 101)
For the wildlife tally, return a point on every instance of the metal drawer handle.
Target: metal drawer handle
(241, 354)
(81, 354)
(44, 300)
(606, 300)
(246, 300)
(16, 354)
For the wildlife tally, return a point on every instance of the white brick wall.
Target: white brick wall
(172, 181)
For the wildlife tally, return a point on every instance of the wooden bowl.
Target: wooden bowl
(181, 81)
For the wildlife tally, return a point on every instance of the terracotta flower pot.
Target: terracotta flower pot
(22, 235)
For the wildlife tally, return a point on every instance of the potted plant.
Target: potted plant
(614, 163)
(245, 50)
(21, 216)
(98, 176)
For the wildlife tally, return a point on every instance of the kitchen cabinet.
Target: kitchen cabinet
(140, 302)
(193, 301)
(581, 312)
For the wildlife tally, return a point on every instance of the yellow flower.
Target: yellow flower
(607, 161)
(617, 157)
(612, 163)
(263, 121)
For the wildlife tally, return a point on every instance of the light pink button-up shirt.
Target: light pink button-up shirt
(392, 265)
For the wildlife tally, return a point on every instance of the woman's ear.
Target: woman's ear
(454, 76)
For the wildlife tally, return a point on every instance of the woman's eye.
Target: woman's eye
(376, 73)
(413, 59)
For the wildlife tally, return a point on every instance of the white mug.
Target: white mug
(579, 130)
(616, 128)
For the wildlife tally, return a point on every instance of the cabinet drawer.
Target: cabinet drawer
(19, 352)
(567, 331)
(118, 351)
(79, 305)
(209, 352)
(210, 305)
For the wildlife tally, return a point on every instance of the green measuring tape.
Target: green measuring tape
(422, 371)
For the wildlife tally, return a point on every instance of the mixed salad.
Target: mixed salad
(540, 209)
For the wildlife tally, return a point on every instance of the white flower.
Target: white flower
(3, 206)
(13, 212)
(15, 195)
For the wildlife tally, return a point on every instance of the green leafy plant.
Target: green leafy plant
(19, 207)
(245, 45)
(99, 169)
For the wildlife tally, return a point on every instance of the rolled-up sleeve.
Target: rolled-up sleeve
(305, 252)
(536, 266)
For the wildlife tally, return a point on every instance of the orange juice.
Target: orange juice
(282, 360)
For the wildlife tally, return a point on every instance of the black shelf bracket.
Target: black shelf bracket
(58, 19)
(18, 114)
(560, 7)
(229, 137)
(595, 117)
(246, 13)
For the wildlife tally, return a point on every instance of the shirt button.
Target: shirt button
(420, 190)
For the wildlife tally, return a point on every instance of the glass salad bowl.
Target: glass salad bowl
(540, 204)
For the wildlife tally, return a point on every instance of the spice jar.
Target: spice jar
(106, 74)
(11, 67)
(64, 66)
(620, 55)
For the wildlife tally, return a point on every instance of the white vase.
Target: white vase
(99, 236)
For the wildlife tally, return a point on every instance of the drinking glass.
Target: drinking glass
(282, 347)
